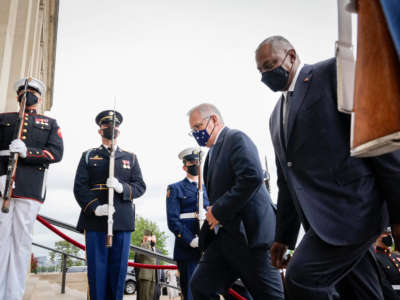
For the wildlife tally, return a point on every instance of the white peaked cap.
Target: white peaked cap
(32, 82)
(190, 153)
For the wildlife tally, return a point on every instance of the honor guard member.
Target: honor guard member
(107, 267)
(389, 263)
(39, 145)
(182, 210)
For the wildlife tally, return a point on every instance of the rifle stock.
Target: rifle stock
(110, 220)
(13, 159)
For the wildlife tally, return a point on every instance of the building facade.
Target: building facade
(28, 35)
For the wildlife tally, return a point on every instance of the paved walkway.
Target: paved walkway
(47, 286)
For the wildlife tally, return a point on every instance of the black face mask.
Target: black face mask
(31, 99)
(107, 133)
(276, 79)
(152, 243)
(193, 170)
(387, 240)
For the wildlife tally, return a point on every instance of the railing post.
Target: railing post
(64, 271)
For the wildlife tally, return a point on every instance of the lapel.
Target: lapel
(205, 170)
(118, 153)
(103, 152)
(277, 129)
(216, 150)
(300, 91)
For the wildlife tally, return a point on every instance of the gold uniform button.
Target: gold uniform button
(26, 123)
(8, 124)
(24, 137)
(26, 118)
(30, 152)
(179, 235)
(37, 152)
(25, 130)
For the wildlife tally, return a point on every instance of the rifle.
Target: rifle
(13, 159)
(200, 197)
(110, 220)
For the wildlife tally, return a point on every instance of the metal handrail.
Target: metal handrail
(64, 263)
(58, 251)
(135, 248)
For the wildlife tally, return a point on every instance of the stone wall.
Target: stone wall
(28, 35)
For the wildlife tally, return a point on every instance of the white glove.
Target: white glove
(18, 146)
(113, 182)
(194, 243)
(202, 214)
(3, 179)
(102, 210)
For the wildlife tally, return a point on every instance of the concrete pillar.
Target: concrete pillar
(28, 30)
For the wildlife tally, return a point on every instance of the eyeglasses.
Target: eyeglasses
(196, 128)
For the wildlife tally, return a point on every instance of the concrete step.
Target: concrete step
(38, 288)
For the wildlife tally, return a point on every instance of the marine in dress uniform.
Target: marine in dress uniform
(39, 146)
(390, 265)
(182, 208)
(107, 267)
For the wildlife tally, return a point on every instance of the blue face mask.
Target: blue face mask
(276, 79)
(202, 136)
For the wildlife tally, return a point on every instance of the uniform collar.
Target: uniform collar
(106, 148)
(382, 250)
(191, 181)
(32, 111)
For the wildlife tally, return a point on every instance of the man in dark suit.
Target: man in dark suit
(340, 200)
(241, 219)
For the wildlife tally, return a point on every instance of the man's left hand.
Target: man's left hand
(396, 235)
(212, 221)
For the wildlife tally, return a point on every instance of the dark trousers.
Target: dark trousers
(225, 260)
(321, 271)
(186, 269)
(107, 267)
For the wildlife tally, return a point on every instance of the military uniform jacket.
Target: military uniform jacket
(390, 263)
(44, 143)
(90, 189)
(182, 198)
(146, 274)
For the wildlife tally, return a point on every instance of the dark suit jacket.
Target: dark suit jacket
(342, 198)
(236, 190)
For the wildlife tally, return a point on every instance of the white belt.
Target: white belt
(396, 287)
(192, 215)
(4, 152)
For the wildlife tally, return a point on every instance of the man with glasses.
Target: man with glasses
(240, 223)
(182, 215)
(340, 200)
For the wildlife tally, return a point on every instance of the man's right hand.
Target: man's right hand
(277, 251)
(102, 210)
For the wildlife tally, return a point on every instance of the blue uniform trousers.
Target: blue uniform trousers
(225, 260)
(107, 267)
(186, 269)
